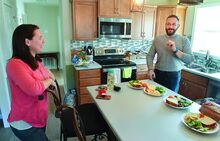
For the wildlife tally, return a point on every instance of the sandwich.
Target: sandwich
(200, 122)
(171, 100)
(208, 122)
(178, 101)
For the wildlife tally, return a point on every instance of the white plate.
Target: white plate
(153, 94)
(207, 132)
(175, 106)
(137, 88)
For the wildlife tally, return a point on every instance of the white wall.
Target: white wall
(7, 24)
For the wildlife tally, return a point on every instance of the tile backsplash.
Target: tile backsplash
(128, 45)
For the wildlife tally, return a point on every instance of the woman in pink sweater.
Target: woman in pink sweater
(28, 79)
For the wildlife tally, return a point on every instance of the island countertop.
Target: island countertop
(134, 115)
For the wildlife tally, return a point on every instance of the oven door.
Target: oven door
(105, 73)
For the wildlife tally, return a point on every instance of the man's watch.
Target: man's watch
(175, 51)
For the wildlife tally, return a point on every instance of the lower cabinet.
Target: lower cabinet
(84, 78)
(193, 86)
(142, 72)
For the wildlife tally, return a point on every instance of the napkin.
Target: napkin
(127, 72)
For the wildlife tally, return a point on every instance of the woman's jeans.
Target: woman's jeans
(168, 79)
(32, 134)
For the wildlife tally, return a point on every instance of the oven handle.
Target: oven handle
(121, 68)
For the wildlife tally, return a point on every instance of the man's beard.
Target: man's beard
(170, 33)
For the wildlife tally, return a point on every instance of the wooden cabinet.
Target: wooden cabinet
(193, 86)
(84, 78)
(84, 19)
(142, 72)
(163, 12)
(114, 8)
(143, 24)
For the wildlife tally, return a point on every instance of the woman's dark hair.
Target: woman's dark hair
(20, 49)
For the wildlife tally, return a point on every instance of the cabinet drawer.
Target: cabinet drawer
(141, 76)
(83, 99)
(83, 91)
(90, 82)
(90, 73)
(195, 78)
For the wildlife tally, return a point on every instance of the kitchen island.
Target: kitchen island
(135, 116)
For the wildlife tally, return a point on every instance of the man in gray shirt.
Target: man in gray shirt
(171, 51)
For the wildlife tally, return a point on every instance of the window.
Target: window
(206, 34)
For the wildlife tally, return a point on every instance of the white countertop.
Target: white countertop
(213, 76)
(91, 65)
(135, 116)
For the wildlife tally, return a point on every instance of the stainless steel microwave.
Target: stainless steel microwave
(114, 28)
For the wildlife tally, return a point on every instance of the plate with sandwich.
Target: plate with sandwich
(200, 123)
(136, 84)
(178, 102)
(154, 90)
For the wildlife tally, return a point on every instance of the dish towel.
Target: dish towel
(117, 75)
(127, 72)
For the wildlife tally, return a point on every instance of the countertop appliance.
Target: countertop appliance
(114, 28)
(113, 58)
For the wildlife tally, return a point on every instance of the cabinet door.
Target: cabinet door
(183, 88)
(149, 21)
(108, 8)
(137, 26)
(85, 20)
(162, 14)
(114, 8)
(143, 24)
(196, 91)
(181, 13)
(164, 11)
(124, 8)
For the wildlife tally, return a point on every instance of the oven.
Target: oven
(113, 58)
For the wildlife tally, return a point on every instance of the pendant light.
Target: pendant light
(137, 5)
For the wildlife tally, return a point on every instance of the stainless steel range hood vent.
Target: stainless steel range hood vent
(190, 2)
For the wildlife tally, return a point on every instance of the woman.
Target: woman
(28, 80)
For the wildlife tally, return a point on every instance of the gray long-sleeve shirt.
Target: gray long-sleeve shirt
(166, 59)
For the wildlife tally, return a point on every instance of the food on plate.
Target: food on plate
(136, 83)
(200, 122)
(160, 89)
(178, 101)
(154, 90)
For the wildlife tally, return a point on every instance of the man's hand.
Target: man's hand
(151, 74)
(171, 45)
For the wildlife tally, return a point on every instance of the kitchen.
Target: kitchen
(67, 37)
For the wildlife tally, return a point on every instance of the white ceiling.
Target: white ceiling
(47, 2)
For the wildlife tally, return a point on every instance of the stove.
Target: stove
(113, 58)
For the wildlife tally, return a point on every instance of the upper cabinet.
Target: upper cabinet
(84, 19)
(143, 23)
(163, 12)
(114, 8)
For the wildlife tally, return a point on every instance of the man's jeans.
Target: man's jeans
(168, 79)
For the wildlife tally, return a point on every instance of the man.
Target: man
(172, 51)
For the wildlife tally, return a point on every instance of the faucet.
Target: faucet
(207, 55)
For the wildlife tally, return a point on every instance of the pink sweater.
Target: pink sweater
(26, 86)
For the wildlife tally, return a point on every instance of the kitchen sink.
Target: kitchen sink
(201, 68)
